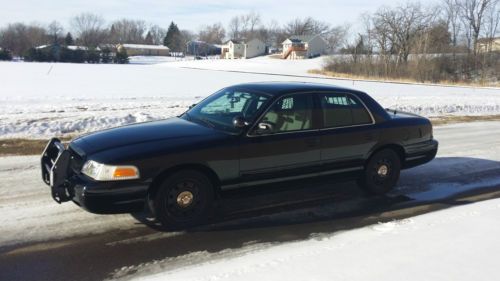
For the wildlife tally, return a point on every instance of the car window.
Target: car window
(219, 110)
(340, 110)
(290, 113)
(229, 103)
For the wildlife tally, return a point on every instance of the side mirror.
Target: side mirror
(264, 128)
(240, 122)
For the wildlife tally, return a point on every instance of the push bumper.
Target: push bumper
(420, 153)
(94, 196)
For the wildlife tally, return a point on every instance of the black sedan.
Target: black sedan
(246, 135)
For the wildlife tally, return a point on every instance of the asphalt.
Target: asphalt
(466, 171)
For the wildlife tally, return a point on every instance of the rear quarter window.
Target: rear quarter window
(341, 110)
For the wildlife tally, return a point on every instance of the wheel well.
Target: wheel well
(214, 179)
(395, 147)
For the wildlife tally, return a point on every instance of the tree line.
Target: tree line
(447, 40)
(453, 40)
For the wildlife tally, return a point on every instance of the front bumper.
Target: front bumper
(58, 171)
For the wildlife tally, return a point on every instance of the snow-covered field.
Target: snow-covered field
(40, 100)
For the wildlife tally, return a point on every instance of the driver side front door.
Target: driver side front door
(290, 149)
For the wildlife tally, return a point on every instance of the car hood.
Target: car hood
(140, 133)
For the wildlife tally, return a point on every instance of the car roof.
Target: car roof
(281, 88)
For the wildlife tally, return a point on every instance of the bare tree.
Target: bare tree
(245, 26)
(128, 31)
(212, 34)
(491, 22)
(472, 13)
(399, 26)
(157, 34)
(18, 37)
(89, 28)
(55, 31)
(234, 27)
(252, 20)
(337, 37)
(452, 14)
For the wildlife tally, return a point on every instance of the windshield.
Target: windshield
(219, 110)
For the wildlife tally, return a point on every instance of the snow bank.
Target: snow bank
(39, 100)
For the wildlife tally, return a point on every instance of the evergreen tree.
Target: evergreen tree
(93, 56)
(106, 55)
(69, 39)
(5, 55)
(173, 40)
(149, 38)
(121, 56)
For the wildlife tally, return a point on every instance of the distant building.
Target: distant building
(488, 44)
(239, 49)
(144, 50)
(303, 46)
(201, 48)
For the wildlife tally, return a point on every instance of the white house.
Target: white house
(488, 44)
(238, 49)
(303, 46)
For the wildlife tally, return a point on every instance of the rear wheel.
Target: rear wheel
(381, 172)
(183, 200)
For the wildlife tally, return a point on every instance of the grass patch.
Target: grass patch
(11, 147)
(400, 80)
(443, 120)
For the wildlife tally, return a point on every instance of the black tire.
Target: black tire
(378, 180)
(172, 207)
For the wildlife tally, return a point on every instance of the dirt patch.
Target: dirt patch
(346, 76)
(10, 147)
(443, 120)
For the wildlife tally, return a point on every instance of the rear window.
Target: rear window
(340, 110)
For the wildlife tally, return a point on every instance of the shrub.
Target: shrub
(5, 55)
(121, 56)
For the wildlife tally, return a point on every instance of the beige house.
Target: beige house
(303, 46)
(488, 44)
(238, 49)
(144, 50)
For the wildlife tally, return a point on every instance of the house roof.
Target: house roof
(241, 41)
(301, 38)
(144, 46)
(235, 41)
(71, 47)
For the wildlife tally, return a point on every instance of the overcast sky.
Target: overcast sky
(188, 14)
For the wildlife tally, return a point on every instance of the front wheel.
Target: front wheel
(184, 199)
(381, 172)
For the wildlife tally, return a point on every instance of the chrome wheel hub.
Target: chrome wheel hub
(383, 170)
(184, 199)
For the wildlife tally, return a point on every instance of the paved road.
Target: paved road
(40, 240)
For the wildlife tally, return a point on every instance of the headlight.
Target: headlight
(102, 172)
